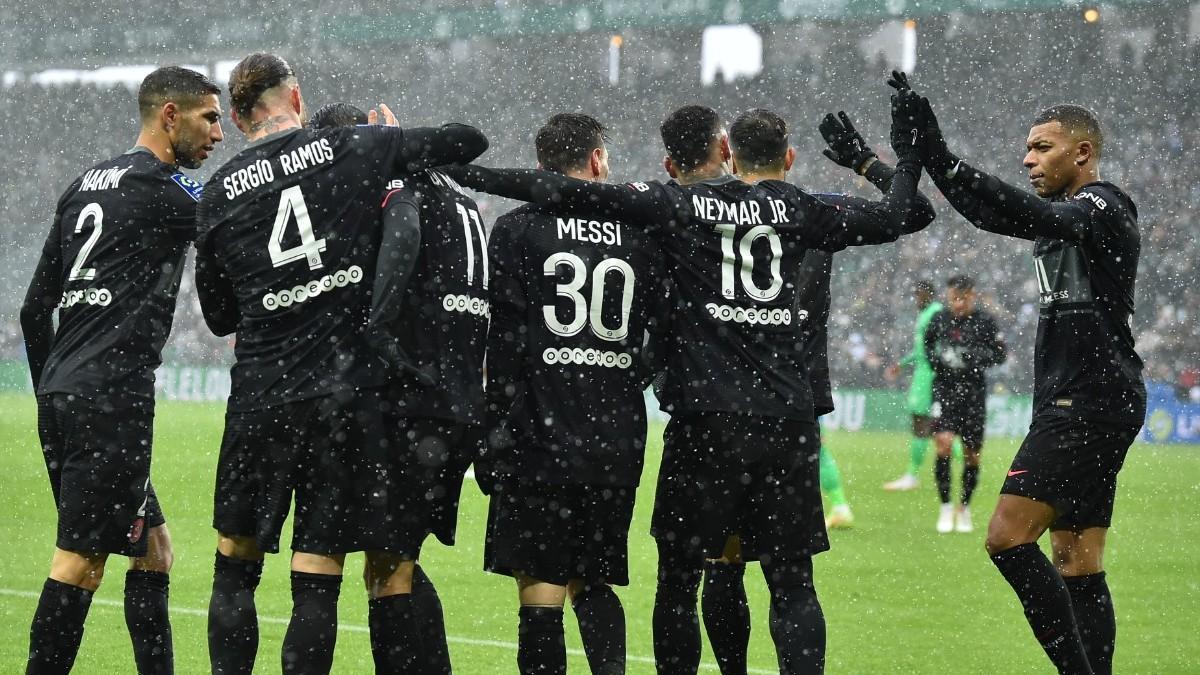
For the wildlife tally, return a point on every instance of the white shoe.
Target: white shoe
(840, 518)
(945, 519)
(902, 484)
(962, 520)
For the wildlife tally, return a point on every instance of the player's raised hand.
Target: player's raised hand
(389, 119)
(847, 147)
(907, 123)
(935, 155)
(898, 81)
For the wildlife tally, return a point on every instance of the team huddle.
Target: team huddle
(386, 342)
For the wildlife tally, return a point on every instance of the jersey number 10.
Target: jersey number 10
(581, 315)
(729, 256)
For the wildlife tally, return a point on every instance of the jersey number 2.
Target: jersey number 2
(291, 204)
(78, 271)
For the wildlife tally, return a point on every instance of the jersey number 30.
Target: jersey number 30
(291, 205)
(581, 315)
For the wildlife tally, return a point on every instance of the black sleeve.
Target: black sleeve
(42, 297)
(921, 214)
(638, 204)
(427, 147)
(399, 248)
(1024, 214)
(505, 347)
(658, 344)
(875, 222)
(971, 208)
(218, 302)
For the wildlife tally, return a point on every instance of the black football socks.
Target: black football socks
(726, 614)
(1047, 606)
(427, 608)
(148, 621)
(941, 475)
(1094, 616)
(797, 621)
(312, 632)
(232, 616)
(602, 628)
(970, 479)
(395, 636)
(57, 628)
(541, 648)
(676, 626)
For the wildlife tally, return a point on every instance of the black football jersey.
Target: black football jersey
(573, 298)
(733, 251)
(444, 312)
(111, 265)
(961, 349)
(289, 234)
(1086, 251)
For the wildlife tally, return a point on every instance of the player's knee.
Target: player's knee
(238, 547)
(77, 569)
(160, 555)
(787, 578)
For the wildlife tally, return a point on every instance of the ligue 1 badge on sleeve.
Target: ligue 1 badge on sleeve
(189, 185)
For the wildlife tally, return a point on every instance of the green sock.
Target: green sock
(917, 448)
(956, 450)
(831, 479)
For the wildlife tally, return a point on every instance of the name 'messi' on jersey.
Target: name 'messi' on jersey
(590, 231)
(262, 171)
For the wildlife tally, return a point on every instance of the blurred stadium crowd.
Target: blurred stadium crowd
(985, 78)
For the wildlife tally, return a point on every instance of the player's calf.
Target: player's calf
(601, 625)
(797, 621)
(232, 615)
(312, 632)
(395, 639)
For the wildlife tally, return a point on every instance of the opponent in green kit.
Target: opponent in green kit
(920, 392)
(840, 516)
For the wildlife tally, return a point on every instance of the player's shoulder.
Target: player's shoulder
(515, 222)
(1106, 198)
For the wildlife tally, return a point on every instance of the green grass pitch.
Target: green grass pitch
(898, 597)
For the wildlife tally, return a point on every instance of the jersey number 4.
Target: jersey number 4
(581, 316)
(291, 205)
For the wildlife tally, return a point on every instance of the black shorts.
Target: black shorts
(338, 455)
(98, 460)
(438, 455)
(1071, 464)
(556, 533)
(757, 477)
(964, 416)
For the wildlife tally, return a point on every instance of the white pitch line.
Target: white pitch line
(355, 628)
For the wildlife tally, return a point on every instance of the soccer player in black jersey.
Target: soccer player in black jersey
(289, 235)
(429, 313)
(573, 296)
(740, 451)
(111, 266)
(1089, 397)
(759, 144)
(961, 343)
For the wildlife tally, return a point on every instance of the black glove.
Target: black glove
(846, 146)
(907, 122)
(935, 155)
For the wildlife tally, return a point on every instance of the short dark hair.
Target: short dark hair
(924, 286)
(758, 138)
(337, 115)
(253, 76)
(1074, 118)
(566, 140)
(688, 135)
(172, 83)
(961, 282)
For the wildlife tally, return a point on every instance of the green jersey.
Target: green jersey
(920, 392)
